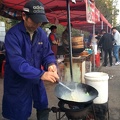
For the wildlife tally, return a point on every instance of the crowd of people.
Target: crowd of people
(109, 44)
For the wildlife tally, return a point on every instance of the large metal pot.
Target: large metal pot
(86, 92)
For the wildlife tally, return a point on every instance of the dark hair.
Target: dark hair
(96, 32)
(26, 14)
(114, 28)
(103, 30)
(53, 27)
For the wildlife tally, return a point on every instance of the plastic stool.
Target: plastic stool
(3, 68)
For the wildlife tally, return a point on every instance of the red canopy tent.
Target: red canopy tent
(56, 12)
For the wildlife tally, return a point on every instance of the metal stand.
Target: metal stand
(58, 112)
(108, 114)
(90, 116)
(93, 60)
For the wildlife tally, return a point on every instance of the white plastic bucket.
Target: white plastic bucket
(99, 81)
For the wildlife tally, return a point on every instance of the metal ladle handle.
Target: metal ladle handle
(65, 86)
(62, 83)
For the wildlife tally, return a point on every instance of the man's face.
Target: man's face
(114, 30)
(29, 24)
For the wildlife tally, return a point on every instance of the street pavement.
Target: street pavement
(114, 88)
(114, 94)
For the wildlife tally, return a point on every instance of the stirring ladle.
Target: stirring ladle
(62, 83)
(65, 86)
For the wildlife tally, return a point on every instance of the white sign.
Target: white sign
(74, 1)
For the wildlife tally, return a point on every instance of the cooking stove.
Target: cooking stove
(74, 112)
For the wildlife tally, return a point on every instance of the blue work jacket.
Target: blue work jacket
(22, 82)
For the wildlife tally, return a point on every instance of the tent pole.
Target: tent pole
(101, 24)
(107, 29)
(110, 31)
(93, 50)
(70, 43)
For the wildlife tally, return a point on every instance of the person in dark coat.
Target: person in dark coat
(106, 42)
(27, 49)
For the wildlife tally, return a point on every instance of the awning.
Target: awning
(81, 12)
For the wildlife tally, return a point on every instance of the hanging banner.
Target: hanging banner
(97, 15)
(92, 13)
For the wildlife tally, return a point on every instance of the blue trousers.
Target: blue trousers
(116, 52)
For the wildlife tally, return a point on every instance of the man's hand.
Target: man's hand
(50, 76)
(52, 68)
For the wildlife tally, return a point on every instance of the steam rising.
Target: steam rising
(79, 94)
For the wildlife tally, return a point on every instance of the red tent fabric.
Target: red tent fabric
(56, 12)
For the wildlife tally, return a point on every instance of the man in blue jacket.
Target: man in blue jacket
(27, 48)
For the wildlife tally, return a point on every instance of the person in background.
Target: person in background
(89, 39)
(27, 48)
(65, 39)
(97, 36)
(106, 42)
(53, 39)
(116, 47)
(2, 54)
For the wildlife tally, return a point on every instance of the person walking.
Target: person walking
(53, 39)
(106, 42)
(116, 47)
(27, 48)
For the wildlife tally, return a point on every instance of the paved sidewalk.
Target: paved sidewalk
(114, 88)
(114, 94)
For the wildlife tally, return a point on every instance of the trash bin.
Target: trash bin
(99, 81)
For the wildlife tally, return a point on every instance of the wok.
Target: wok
(86, 93)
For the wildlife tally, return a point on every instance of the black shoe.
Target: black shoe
(104, 65)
